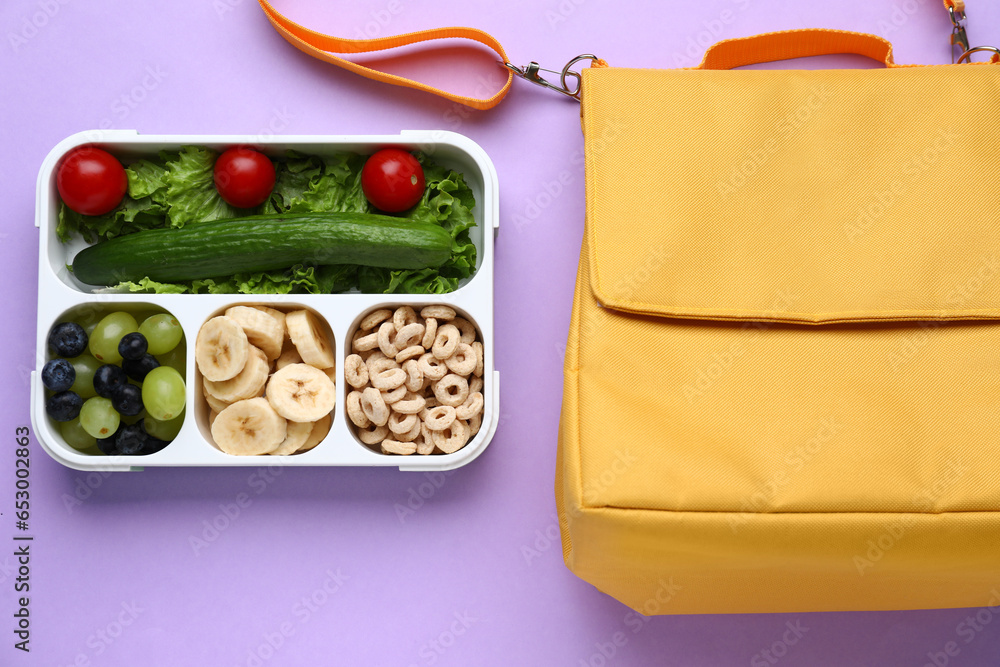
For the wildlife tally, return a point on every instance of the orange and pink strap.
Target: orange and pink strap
(723, 55)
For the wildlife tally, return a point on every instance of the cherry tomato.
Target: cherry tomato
(392, 180)
(244, 177)
(91, 181)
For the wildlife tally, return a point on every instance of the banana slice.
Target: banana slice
(296, 434)
(308, 337)
(320, 428)
(248, 383)
(276, 314)
(289, 356)
(301, 393)
(221, 349)
(213, 403)
(261, 328)
(249, 428)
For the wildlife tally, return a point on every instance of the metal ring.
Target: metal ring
(976, 49)
(579, 80)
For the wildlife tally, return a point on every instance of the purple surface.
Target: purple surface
(320, 567)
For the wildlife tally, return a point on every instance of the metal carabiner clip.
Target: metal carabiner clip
(959, 35)
(530, 73)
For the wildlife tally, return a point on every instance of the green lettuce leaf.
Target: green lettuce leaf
(178, 189)
(190, 190)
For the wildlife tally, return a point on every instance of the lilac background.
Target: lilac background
(483, 547)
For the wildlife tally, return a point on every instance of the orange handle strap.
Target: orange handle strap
(324, 47)
(771, 46)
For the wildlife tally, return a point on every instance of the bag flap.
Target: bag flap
(798, 196)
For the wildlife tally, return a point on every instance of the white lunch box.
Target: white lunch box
(60, 296)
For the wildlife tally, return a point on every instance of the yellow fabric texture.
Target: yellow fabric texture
(782, 379)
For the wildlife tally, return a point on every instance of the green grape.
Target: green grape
(98, 417)
(85, 366)
(175, 358)
(164, 430)
(162, 333)
(108, 333)
(77, 438)
(163, 393)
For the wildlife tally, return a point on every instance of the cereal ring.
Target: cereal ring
(397, 447)
(354, 411)
(373, 434)
(478, 347)
(475, 384)
(446, 341)
(452, 438)
(377, 364)
(389, 379)
(467, 329)
(475, 423)
(410, 353)
(425, 442)
(403, 316)
(432, 367)
(365, 343)
(413, 433)
(386, 332)
(411, 404)
(430, 333)
(439, 418)
(463, 362)
(400, 423)
(440, 312)
(374, 319)
(409, 335)
(374, 407)
(355, 371)
(451, 390)
(430, 402)
(473, 406)
(394, 395)
(414, 376)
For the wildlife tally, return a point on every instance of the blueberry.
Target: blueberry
(137, 369)
(58, 375)
(64, 406)
(67, 339)
(132, 346)
(107, 445)
(131, 439)
(107, 378)
(152, 445)
(127, 400)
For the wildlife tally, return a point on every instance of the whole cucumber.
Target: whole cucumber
(263, 243)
